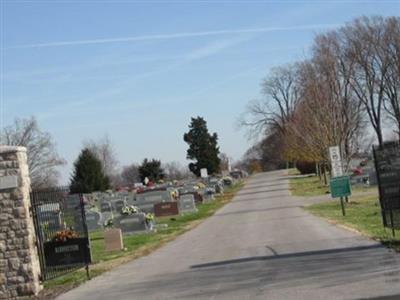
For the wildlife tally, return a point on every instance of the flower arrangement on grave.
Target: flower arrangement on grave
(108, 223)
(65, 235)
(149, 217)
(130, 210)
(175, 195)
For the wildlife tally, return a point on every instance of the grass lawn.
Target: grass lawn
(311, 186)
(307, 186)
(363, 214)
(136, 245)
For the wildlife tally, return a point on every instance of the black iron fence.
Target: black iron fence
(61, 231)
(387, 164)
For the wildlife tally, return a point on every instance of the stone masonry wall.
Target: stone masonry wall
(19, 263)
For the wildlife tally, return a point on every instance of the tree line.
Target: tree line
(348, 86)
(97, 166)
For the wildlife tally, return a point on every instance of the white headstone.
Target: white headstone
(203, 173)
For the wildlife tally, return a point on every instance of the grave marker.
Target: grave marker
(131, 223)
(166, 209)
(113, 239)
(93, 220)
(187, 204)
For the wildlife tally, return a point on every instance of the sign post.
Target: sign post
(340, 185)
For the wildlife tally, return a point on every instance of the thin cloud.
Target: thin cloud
(175, 36)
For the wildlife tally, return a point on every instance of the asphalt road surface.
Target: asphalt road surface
(262, 245)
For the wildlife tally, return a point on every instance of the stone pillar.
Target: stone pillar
(19, 261)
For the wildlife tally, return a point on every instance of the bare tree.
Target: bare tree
(105, 152)
(335, 70)
(391, 47)
(175, 171)
(225, 164)
(281, 98)
(130, 174)
(43, 159)
(363, 39)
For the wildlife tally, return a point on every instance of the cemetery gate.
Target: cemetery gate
(61, 231)
(387, 164)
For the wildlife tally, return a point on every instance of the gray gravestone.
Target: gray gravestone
(105, 207)
(131, 223)
(187, 204)
(118, 205)
(93, 219)
(146, 207)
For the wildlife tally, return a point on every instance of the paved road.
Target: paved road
(262, 245)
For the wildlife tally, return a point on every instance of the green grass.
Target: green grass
(139, 244)
(362, 213)
(313, 186)
(307, 186)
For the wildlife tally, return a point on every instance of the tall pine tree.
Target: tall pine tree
(88, 174)
(203, 147)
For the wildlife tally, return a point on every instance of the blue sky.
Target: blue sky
(138, 70)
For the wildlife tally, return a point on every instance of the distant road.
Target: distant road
(262, 245)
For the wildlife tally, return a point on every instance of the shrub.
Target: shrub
(306, 167)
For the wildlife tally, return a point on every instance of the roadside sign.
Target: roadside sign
(336, 161)
(340, 186)
(203, 173)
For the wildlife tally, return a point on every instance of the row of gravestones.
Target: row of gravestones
(158, 203)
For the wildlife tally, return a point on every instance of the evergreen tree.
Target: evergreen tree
(203, 147)
(88, 174)
(151, 169)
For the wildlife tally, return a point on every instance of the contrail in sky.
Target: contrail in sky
(176, 36)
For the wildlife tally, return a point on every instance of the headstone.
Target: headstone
(198, 198)
(187, 204)
(93, 219)
(203, 173)
(105, 207)
(131, 223)
(154, 196)
(145, 207)
(113, 239)
(166, 209)
(72, 203)
(50, 214)
(119, 205)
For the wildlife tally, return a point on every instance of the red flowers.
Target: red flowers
(64, 235)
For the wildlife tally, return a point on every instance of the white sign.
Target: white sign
(336, 161)
(203, 173)
(8, 182)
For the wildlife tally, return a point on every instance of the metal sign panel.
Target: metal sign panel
(336, 161)
(387, 164)
(340, 187)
